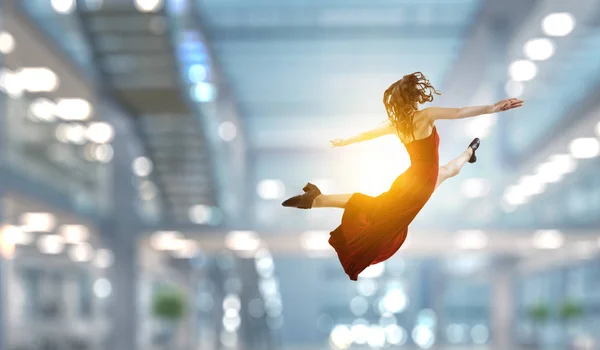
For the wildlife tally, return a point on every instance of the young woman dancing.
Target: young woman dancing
(374, 228)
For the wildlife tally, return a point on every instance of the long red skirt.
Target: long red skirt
(374, 228)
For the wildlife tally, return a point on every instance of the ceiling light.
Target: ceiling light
(360, 331)
(232, 302)
(548, 173)
(515, 196)
(522, 70)
(269, 287)
(102, 288)
(227, 131)
(558, 24)
(376, 337)
(74, 233)
(166, 240)
(423, 336)
(481, 127)
(203, 92)
(474, 240)
(373, 271)
(38, 222)
(548, 239)
(264, 262)
(197, 73)
(475, 188)
(75, 134)
(103, 153)
(270, 189)
(242, 241)
(11, 83)
(231, 322)
(43, 109)
(395, 301)
(81, 252)
(14, 235)
(532, 185)
(341, 337)
(200, 214)
(539, 49)
(315, 240)
(7, 43)
(63, 6)
(186, 249)
(585, 147)
(396, 335)
(38, 79)
(142, 166)
(148, 5)
(73, 109)
(61, 133)
(563, 163)
(51, 244)
(148, 190)
(99, 132)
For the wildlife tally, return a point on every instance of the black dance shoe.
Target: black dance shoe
(303, 201)
(474, 146)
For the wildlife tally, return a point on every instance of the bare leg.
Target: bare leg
(331, 201)
(453, 167)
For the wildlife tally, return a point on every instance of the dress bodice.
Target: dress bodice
(424, 150)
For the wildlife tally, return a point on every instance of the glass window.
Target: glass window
(57, 153)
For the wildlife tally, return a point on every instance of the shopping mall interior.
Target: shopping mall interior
(146, 147)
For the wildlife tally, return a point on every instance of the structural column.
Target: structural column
(121, 234)
(3, 284)
(3, 276)
(502, 309)
(124, 279)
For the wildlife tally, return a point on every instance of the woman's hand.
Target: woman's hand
(338, 143)
(506, 105)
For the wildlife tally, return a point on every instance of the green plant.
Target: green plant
(539, 313)
(570, 310)
(168, 305)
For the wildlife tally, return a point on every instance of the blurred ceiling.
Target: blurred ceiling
(304, 73)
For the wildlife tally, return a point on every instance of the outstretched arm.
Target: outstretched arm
(382, 130)
(436, 113)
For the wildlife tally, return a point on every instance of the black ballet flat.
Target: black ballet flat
(303, 201)
(474, 146)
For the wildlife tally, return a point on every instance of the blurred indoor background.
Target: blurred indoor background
(146, 146)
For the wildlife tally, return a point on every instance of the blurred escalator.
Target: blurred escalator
(134, 56)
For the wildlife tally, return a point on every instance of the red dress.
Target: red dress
(374, 228)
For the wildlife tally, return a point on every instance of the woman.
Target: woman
(374, 228)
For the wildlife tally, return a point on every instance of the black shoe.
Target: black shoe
(474, 146)
(303, 201)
